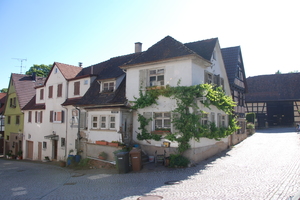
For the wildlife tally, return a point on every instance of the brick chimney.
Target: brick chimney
(138, 47)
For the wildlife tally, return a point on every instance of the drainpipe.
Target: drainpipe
(78, 132)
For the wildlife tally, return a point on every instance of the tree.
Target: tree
(40, 70)
(278, 72)
(3, 90)
(295, 71)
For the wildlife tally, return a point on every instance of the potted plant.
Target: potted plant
(20, 155)
(102, 142)
(102, 155)
(113, 143)
(9, 154)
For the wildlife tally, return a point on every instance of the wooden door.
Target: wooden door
(29, 154)
(40, 151)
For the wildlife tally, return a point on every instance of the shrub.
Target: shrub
(177, 160)
(250, 126)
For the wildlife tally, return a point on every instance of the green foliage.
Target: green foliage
(4, 90)
(84, 162)
(40, 70)
(278, 72)
(186, 122)
(177, 160)
(250, 117)
(250, 126)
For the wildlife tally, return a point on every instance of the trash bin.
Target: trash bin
(123, 162)
(136, 159)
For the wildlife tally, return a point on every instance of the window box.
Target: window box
(113, 144)
(102, 142)
(160, 132)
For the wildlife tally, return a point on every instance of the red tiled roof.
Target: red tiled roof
(68, 71)
(25, 87)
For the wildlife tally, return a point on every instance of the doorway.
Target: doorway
(280, 113)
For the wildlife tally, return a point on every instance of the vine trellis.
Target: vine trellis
(186, 117)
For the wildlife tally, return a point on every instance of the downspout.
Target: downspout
(66, 140)
(78, 132)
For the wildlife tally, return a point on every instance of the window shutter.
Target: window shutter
(41, 117)
(205, 77)
(148, 115)
(82, 120)
(143, 79)
(29, 116)
(35, 116)
(59, 90)
(41, 94)
(77, 88)
(50, 91)
(51, 116)
(62, 116)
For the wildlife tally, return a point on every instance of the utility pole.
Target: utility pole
(20, 59)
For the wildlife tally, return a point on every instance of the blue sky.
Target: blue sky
(92, 31)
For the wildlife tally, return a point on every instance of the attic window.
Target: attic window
(55, 70)
(214, 56)
(108, 86)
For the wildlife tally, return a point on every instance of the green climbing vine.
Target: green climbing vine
(186, 117)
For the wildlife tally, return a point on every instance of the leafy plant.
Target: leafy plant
(186, 118)
(250, 126)
(177, 160)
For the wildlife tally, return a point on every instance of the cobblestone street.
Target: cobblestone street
(264, 166)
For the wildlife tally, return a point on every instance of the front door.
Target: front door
(40, 151)
(29, 151)
(54, 149)
(126, 127)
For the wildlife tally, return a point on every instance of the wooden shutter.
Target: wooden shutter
(41, 94)
(205, 77)
(143, 79)
(148, 115)
(59, 90)
(62, 116)
(41, 116)
(36, 116)
(82, 120)
(29, 116)
(77, 88)
(51, 116)
(50, 92)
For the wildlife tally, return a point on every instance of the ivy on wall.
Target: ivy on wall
(186, 117)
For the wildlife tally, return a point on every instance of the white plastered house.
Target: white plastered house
(167, 63)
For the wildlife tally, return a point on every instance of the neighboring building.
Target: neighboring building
(2, 120)
(233, 60)
(20, 90)
(51, 127)
(166, 63)
(275, 99)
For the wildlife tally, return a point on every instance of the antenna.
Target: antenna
(20, 59)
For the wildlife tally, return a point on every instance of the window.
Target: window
(57, 117)
(212, 118)
(94, 122)
(204, 119)
(162, 120)
(77, 88)
(112, 122)
(38, 116)
(29, 116)
(156, 77)
(208, 77)
(62, 142)
(44, 145)
(8, 119)
(223, 121)
(12, 102)
(86, 82)
(17, 119)
(103, 122)
(41, 94)
(59, 90)
(108, 86)
(50, 89)
(55, 70)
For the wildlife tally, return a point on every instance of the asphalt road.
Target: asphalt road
(264, 166)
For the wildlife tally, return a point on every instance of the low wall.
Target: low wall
(195, 155)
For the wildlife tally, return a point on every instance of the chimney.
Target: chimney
(34, 76)
(80, 64)
(138, 47)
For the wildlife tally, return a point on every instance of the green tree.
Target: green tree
(295, 71)
(278, 72)
(3, 90)
(40, 70)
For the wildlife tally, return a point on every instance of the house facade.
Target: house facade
(170, 62)
(2, 121)
(51, 128)
(20, 91)
(233, 60)
(275, 99)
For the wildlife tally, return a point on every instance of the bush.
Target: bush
(250, 126)
(177, 160)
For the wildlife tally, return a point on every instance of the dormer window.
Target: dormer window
(108, 86)
(156, 77)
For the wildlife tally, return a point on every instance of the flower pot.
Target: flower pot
(102, 142)
(113, 144)
(62, 163)
(101, 157)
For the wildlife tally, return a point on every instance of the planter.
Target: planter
(102, 142)
(160, 132)
(62, 163)
(113, 144)
(101, 157)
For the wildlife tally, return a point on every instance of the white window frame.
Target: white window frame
(155, 73)
(101, 123)
(95, 121)
(44, 145)
(112, 122)
(55, 117)
(164, 116)
(108, 86)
